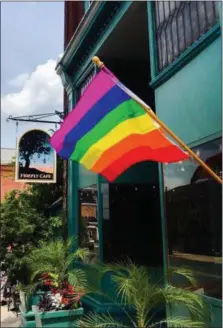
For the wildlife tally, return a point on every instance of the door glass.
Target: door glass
(88, 222)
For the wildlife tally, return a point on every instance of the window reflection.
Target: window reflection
(88, 222)
(193, 211)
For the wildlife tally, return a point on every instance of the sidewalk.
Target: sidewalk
(9, 319)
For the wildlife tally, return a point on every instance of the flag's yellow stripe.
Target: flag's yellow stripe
(138, 125)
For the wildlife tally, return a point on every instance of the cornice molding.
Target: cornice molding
(78, 34)
(88, 38)
(65, 78)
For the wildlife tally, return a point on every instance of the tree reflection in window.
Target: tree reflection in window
(194, 221)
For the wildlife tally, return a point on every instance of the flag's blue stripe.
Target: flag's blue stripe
(112, 99)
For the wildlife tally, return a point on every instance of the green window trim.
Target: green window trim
(186, 56)
(204, 41)
(90, 69)
(99, 211)
(72, 189)
(87, 4)
(205, 139)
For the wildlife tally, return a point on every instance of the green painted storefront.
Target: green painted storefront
(185, 93)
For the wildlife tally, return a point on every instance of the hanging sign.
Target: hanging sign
(35, 158)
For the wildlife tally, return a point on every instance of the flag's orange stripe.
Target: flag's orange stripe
(168, 154)
(153, 139)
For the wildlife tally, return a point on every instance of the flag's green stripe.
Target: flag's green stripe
(127, 110)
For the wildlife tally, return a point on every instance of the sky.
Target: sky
(32, 36)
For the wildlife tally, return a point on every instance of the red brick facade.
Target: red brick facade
(73, 13)
(8, 180)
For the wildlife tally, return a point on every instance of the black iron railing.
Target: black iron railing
(179, 24)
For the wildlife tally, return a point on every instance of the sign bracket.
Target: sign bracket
(37, 118)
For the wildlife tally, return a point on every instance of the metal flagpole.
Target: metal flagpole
(149, 111)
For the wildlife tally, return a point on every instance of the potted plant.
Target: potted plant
(52, 264)
(150, 303)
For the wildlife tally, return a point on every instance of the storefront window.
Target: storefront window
(194, 217)
(88, 222)
(88, 215)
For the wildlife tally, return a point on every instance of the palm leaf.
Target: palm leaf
(135, 287)
(77, 277)
(179, 322)
(100, 321)
(81, 254)
(31, 288)
(172, 296)
(186, 273)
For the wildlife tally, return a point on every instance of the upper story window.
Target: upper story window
(179, 24)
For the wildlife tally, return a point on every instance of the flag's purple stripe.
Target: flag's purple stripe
(98, 87)
(111, 100)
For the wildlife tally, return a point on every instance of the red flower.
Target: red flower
(65, 301)
(54, 291)
(71, 289)
(48, 282)
(44, 275)
(65, 284)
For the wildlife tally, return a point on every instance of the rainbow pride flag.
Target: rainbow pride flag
(108, 130)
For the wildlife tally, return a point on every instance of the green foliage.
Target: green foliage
(137, 290)
(26, 221)
(57, 259)
(22, 227)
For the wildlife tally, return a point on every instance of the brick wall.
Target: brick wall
(73, 13)
(8, 180)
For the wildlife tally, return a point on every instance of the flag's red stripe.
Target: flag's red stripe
(168, 154)
(153, 140)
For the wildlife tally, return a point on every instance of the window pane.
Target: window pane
(88, 222)
(179, 24)
(194, 219)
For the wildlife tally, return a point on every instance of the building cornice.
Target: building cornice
(98, 22)
(78, 36)
(65, 78)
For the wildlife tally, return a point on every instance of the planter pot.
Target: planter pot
(34, 299)
(57, 319)
(27, 315)
(28, 302)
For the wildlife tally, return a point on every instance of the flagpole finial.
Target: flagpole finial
(96, 60)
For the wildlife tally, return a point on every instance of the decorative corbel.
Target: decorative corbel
(65, 78)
